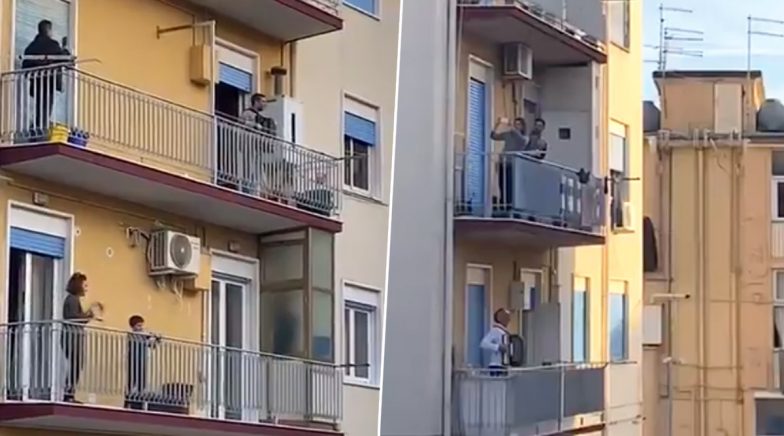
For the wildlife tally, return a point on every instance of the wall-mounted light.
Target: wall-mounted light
(40, 199)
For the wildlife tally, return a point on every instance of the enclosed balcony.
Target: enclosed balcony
(82, 131)
(546, 400)
(287, 20)
(553, 40)
(515, 199)
(133, 383)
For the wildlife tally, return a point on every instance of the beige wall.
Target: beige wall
(359, 61)
(721, 245)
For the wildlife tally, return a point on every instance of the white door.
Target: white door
(232, 365)
(32, 342)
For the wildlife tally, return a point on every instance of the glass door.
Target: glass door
(32, 352)
(228, 338)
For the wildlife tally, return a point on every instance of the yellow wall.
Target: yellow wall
(724, 331)
(116, 271)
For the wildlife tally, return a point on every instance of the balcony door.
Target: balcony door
(478, 314)
(235, 366)
(57, 103)
(35, 271)
(478, 113)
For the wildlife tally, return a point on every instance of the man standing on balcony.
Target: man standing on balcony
(515, 141)
(261, 154)
(537, 146)
(254, 116)
(496, 342)
(44, 81)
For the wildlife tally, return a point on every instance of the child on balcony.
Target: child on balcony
(139, 342)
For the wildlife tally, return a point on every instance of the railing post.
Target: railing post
(562, 386)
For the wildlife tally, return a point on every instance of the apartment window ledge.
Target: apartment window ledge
(622, 231)
(626, 48)
(357, 383)
(364, 196)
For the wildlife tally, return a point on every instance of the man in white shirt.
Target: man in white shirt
(496, 342)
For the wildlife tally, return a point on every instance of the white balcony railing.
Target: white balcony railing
(84, 110)
(58, 361)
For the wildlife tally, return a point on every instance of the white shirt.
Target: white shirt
(492, 342)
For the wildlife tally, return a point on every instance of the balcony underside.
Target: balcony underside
(518, 232)
(287, 20)
(551, 46)
(89, 419)
(124, 180)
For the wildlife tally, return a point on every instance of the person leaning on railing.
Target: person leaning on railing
(73, 330)
(140, 342)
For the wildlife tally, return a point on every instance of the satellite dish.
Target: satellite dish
(180, 251)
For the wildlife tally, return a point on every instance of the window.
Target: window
(360, 327)
(618, 323)
(367, 6)
(777, 191)
(778, 308)
(360, 133)
(580, 320)
(619, 177)
(619, 22)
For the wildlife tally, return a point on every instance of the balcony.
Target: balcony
(543, 204)
(133, 384)
(552, 40)
(110, 139)
(286, 20)
(528, 401)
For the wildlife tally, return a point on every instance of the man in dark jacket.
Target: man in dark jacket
(44, 81)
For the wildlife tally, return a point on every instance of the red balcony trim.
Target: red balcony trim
(20, 411)
(16, 154)
(314, 12)
(471, 12)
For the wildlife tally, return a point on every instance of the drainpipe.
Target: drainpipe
(701, 312)
(451, 65)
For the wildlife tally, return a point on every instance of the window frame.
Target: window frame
(349, 167)
(376, 13)
(778, 303)
(624, 7)
(623, 292)
(775, 200)
(358, 298)
(362, 108)
(619, 178)
(581, 285)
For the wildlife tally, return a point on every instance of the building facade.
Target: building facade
(553, 240)
(713, 256)
(255, 254)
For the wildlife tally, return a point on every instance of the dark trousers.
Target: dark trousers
(42, 91)
(504, 185)
(73, 347)
(135, 392)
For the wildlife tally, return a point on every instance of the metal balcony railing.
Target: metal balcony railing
(50, 361)
(518, 400)
(514, 185)
(63, 104)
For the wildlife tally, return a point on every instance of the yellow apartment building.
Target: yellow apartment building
(713, 279)
(555, 240)
(255, 255)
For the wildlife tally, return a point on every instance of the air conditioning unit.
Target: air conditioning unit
(628, 216)
(174, 253)
(289, 117)
(518, 61)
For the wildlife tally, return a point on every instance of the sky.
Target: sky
(724, 24)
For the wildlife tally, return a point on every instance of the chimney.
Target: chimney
(278, 73)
